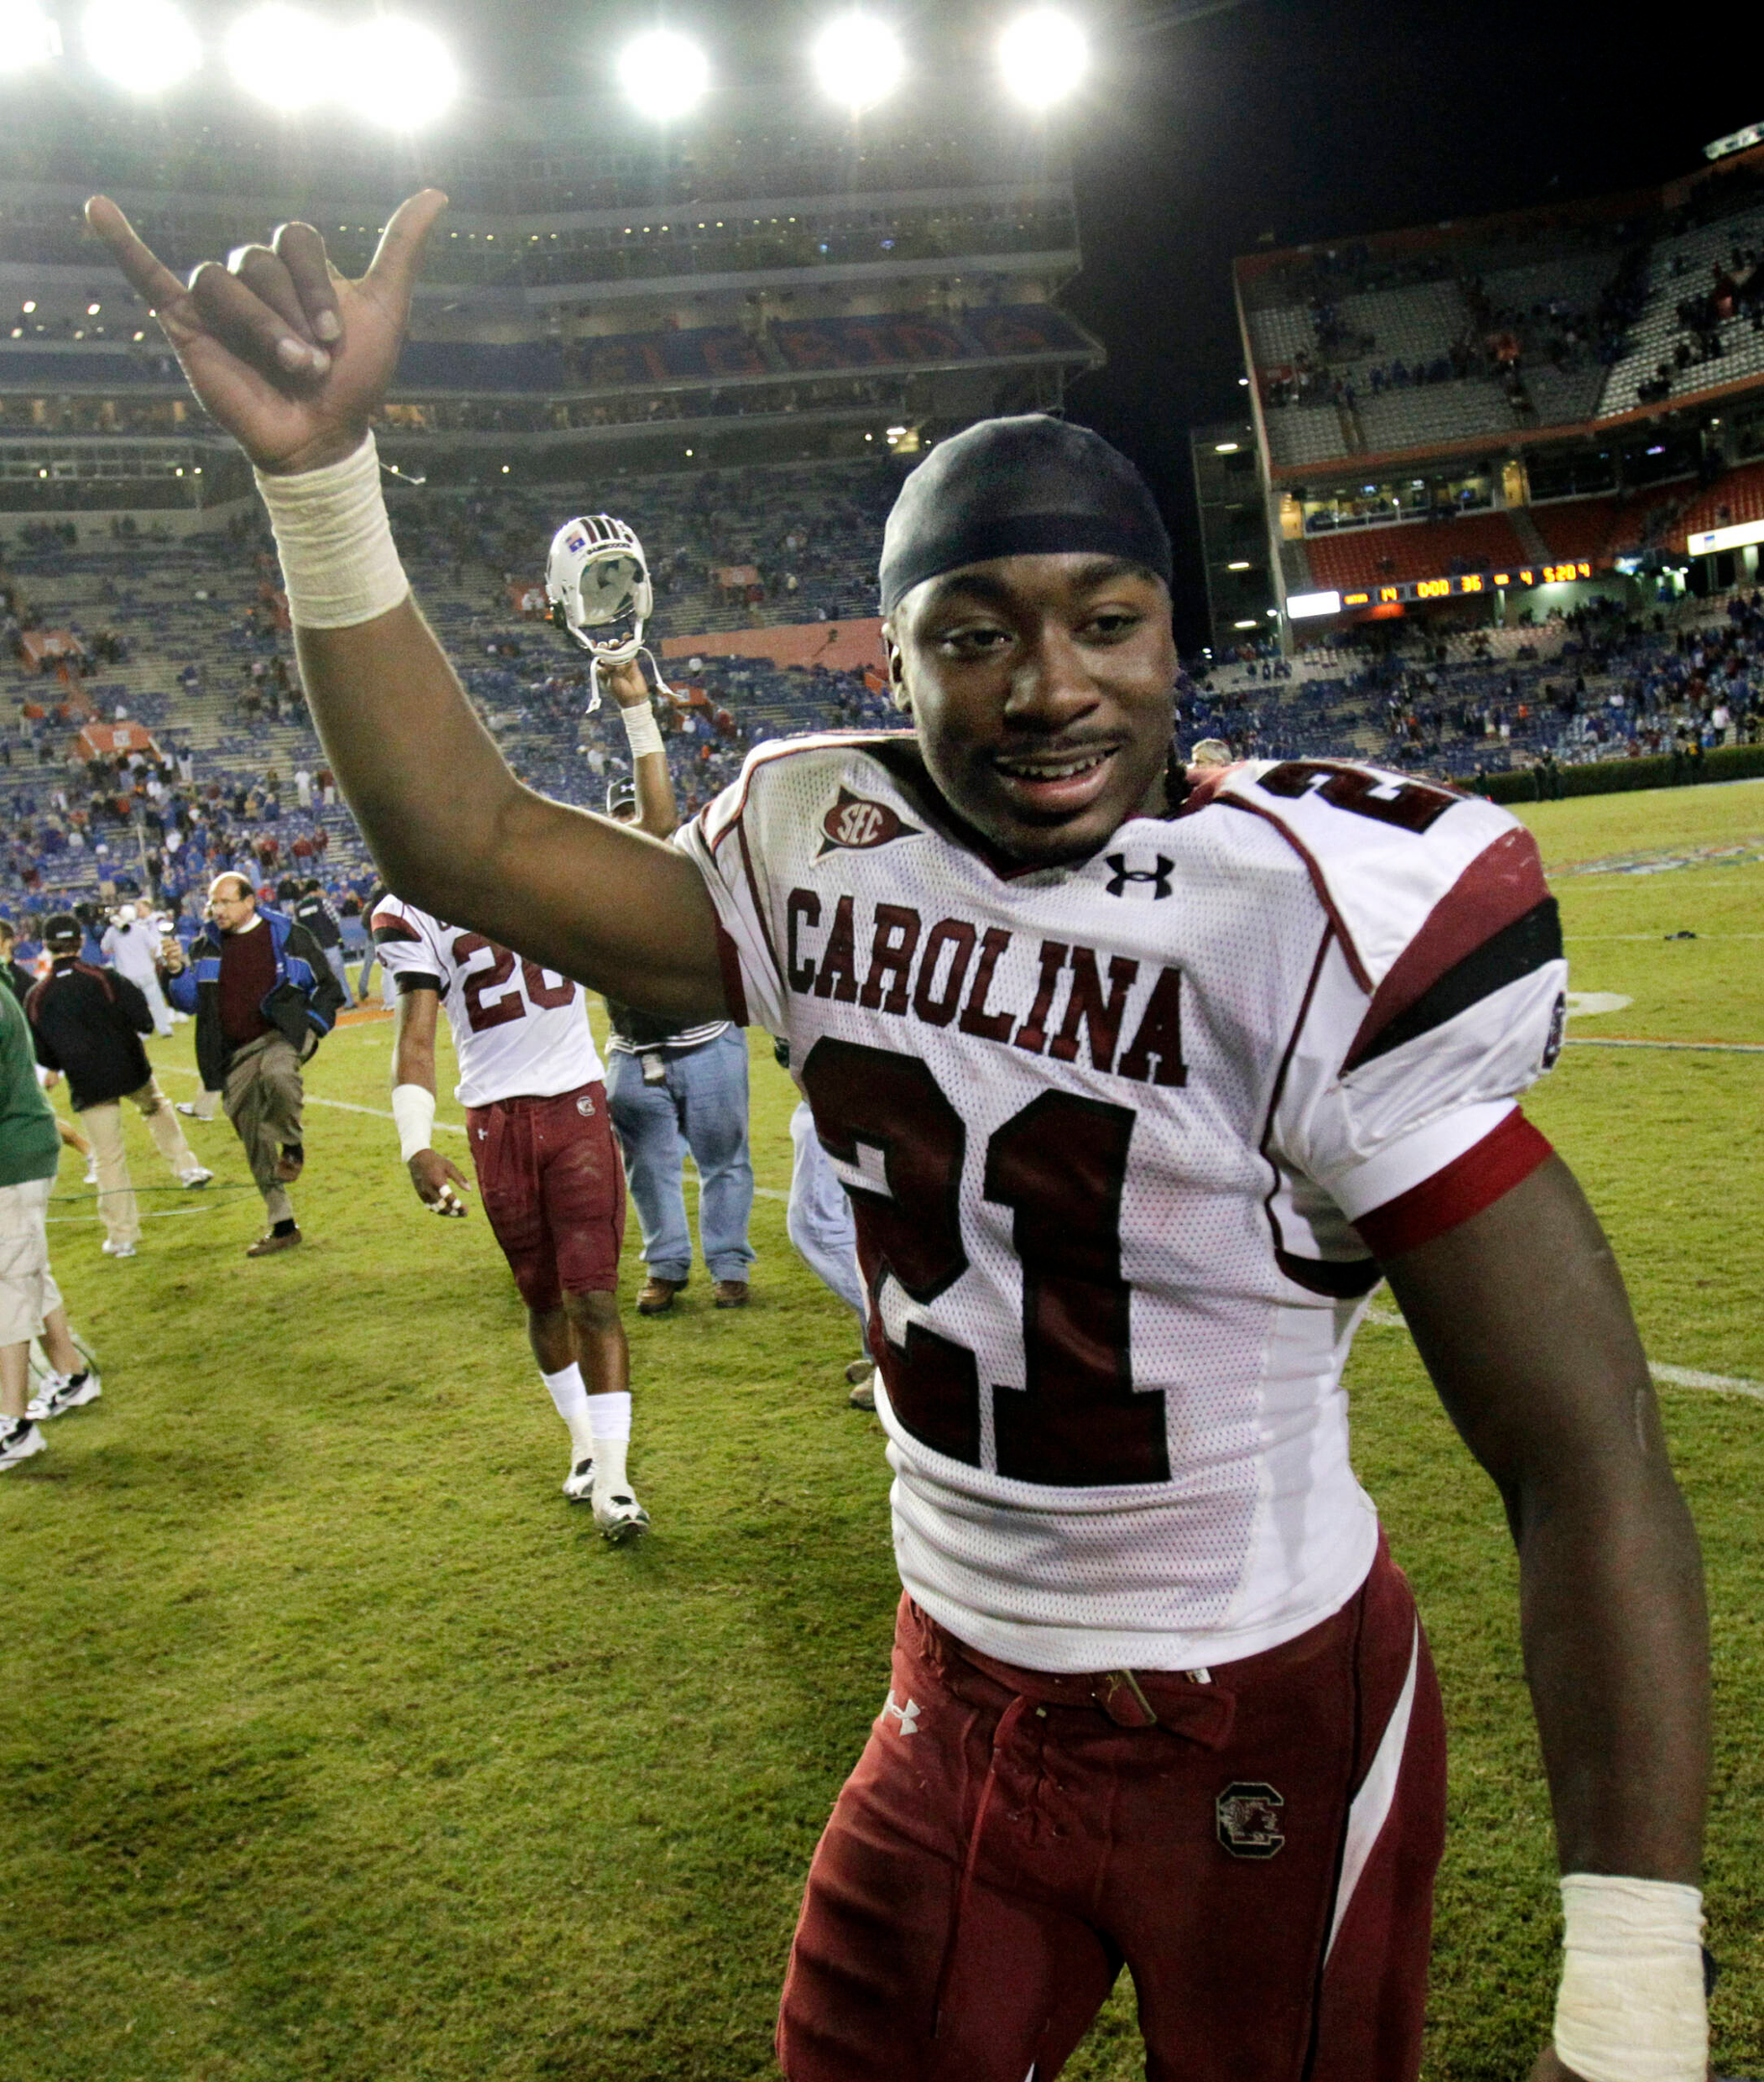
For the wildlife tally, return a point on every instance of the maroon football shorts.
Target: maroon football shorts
(553, 1190)
(1261, 1859)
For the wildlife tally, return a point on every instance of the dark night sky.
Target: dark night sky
(1309, 118)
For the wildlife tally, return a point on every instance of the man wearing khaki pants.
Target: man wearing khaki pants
(88, 1022)
(263, 996)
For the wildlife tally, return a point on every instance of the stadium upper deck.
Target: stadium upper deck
(769, 282)
(1483, 417)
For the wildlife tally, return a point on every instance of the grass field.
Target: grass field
(340, 1748)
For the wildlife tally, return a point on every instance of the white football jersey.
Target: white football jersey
(519, 1031)
(1108, 1129)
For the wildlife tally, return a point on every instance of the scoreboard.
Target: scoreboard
(1417, 589)
(1399, 592)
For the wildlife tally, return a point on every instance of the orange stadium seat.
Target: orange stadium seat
(1729, 501)
(1373, 556)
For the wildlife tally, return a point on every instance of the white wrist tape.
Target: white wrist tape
(339, 562)
(413, 1115)
(1631, 2006)
(642, 729)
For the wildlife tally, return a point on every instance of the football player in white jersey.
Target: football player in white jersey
(1136, 1089)
(541, 1138)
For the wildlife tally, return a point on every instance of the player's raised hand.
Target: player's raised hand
(281, 350)
(629, 688)
(439, 1182)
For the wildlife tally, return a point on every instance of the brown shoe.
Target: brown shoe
(729, 1294)
(289, 1164)
(657, 1295)
(265, 1246)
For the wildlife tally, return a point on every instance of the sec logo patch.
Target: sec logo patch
(858, 825)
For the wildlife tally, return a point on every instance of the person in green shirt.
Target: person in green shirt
(30, 1150)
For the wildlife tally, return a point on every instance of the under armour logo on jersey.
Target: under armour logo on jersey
(907, 1715)
(1247, 1817)
(1157, 875)
(856, 822)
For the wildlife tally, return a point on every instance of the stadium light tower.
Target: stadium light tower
(283, 55)
(663, 74)
(145, 46)
(397, 73)
(1043, 55)
(27, 36)
(858, 59)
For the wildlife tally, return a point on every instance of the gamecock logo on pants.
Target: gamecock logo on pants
(1247, 1814)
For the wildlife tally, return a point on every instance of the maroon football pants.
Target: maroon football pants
(1260, 1858)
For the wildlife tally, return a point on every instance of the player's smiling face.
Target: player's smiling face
(1040, 688)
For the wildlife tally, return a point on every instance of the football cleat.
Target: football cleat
(198, 1176)
(59, 1393)
(578, 1483)
(117, 1250)
(19, 1439)
(619, 1516)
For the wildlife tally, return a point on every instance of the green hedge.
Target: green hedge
(1611, 777)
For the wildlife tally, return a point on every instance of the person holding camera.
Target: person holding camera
(263, 996)
(87, 1024)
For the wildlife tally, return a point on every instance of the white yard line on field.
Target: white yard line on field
(1668, 1376)
(1721, 1047)
(374, 1112)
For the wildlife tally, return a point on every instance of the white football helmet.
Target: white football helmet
(597, 584)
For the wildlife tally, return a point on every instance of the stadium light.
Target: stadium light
(27, 36)
(858, 61)
(1044, 56)
(397, 73)
(663, 74)
(284, 56)
(143, 45)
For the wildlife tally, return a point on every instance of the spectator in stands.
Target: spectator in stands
(263, 996)
(87, 1024)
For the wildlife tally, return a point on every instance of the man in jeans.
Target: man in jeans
(87, 1024)
(670, 1091)
(264, 997)
(30, 1150)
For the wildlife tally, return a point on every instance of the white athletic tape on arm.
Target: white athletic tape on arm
(413, 1112)
(642, 729)
(1631, 2006)
(339, 561)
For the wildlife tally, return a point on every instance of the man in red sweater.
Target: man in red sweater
(265, 997)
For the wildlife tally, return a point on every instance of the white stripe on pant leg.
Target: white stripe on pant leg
(1370, 1806)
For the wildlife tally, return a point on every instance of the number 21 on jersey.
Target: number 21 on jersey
(1059, 1164)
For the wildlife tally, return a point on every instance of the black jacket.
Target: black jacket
(315, 913)
(88, 1022)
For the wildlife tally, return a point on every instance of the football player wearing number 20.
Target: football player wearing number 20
(542, 1144)
(1135, 1090)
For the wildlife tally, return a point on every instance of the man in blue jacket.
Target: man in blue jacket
(263, 996)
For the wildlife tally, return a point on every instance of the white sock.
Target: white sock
(572, 1400)
(611, 1418)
